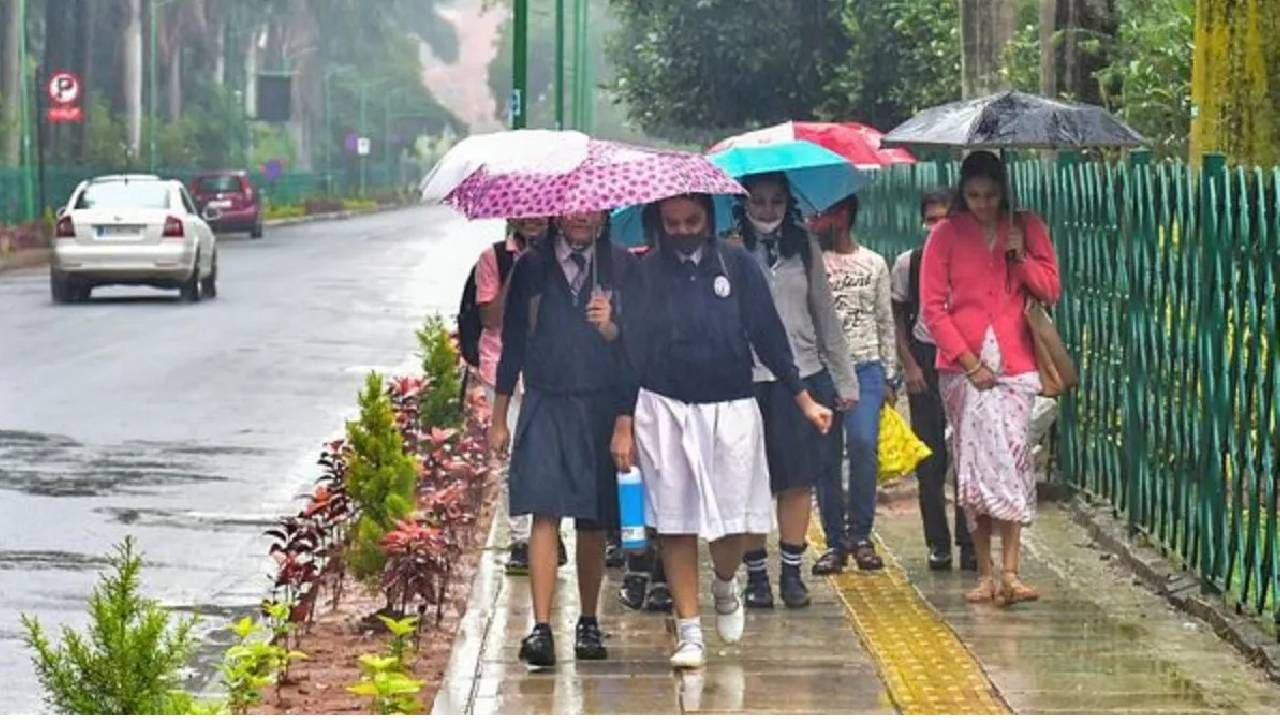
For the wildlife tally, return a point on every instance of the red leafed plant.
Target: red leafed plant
(406, 394)
(297, 569)
(418, 567)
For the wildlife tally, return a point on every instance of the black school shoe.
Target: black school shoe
(632, 592)
(968, 558)
(538, 649)
(939, 559)
(792, 590)
(518, 559)
(759, 594)
(590, 642)
(658, 599)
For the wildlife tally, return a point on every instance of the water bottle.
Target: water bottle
(631, 510)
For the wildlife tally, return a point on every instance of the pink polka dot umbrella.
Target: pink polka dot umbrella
(612, 175)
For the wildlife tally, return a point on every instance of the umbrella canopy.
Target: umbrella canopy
(1011, 119)
(509, 151)
(612, 175)
(857, 143)
(818, 177)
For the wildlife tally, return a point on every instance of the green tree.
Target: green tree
(1148, 83)
(693, 71)
(128, 662)
(441, 405)
(381, 478)
(904, 56)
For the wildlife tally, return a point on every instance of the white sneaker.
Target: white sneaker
(688, 656)
(731, 615)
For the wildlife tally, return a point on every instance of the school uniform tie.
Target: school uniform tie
(580, 261)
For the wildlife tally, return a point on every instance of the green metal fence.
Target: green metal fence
(1170, 309)
(285, 189)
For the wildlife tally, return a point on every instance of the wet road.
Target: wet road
(193, 426)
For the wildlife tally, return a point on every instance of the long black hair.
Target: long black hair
(795, 237)
(982, 164)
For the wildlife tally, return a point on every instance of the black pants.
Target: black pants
(929, 421)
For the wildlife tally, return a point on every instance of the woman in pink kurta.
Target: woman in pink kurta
(978, 272)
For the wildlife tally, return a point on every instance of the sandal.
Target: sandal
(1013, 590)
(864, 554)
(984, 593)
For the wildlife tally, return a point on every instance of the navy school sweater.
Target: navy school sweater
(685, 341)
(545, 333)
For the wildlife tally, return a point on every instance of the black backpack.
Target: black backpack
(469, 325)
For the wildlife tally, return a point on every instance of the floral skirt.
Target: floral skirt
(990, 440)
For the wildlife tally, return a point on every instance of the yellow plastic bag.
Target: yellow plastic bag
(900, 450)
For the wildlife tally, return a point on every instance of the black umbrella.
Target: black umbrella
(1011, 119)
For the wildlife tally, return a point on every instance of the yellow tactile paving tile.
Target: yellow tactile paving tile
(926, 668)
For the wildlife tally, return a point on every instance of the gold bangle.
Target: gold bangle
(976, 369)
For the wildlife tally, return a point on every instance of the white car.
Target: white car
(132, 230)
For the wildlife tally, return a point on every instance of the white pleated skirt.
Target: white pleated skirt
(704, 467)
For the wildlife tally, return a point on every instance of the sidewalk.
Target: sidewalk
(902, 640)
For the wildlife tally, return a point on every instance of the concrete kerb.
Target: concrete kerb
(37, 257)
(1183, 590)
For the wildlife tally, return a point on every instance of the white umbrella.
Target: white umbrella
(550, 151)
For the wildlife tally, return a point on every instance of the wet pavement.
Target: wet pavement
(193, 426)
(902, 640)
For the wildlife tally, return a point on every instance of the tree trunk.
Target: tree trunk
(1235, 88)
(1048, 48)
(12, 104)
(219, 27)
(986, 27)
(84, 52)
(131, 42)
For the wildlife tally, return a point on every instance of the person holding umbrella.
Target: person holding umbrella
(559, 330)
(980, 268)
(698, 309)
(770, 228)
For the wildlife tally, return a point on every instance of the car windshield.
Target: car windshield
(134, 195)
(221, 183)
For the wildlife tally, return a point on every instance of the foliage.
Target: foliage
(695, 70)
(904, 56)
(283, 212)
(129, 660)
(1149, 82)
(401, 630)
(380, 479)
(442, 407)
(251, 665)
(392, 691)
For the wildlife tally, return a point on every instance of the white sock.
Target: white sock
(690, 631)
(722, 588)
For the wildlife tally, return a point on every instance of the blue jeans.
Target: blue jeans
(848, 519)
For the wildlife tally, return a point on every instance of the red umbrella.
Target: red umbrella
(859, 143)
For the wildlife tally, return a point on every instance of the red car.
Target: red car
(232, 194)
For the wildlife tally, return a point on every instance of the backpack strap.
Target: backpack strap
(913, 290)
(506, 259)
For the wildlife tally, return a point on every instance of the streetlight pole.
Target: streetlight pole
(386, 136)
(519, 69)
(151, 86)
(559, 64)
(29, 197)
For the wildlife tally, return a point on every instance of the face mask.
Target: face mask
(763, 228)
(685, 244)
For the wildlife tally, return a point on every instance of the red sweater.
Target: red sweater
(966, 288)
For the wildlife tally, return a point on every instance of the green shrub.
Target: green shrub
(128, 661)
(381, 478)
(441, 404)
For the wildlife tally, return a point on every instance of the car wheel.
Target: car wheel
(83, 292)
(59, 287)
(190, 288)
(209, 286)
(256, 232)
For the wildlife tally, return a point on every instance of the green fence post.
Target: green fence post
(1134, 235)
(1209, 495)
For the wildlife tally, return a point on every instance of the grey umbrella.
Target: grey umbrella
(1011, 119)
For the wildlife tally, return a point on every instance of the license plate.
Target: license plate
(114, 231)
(220, 204)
